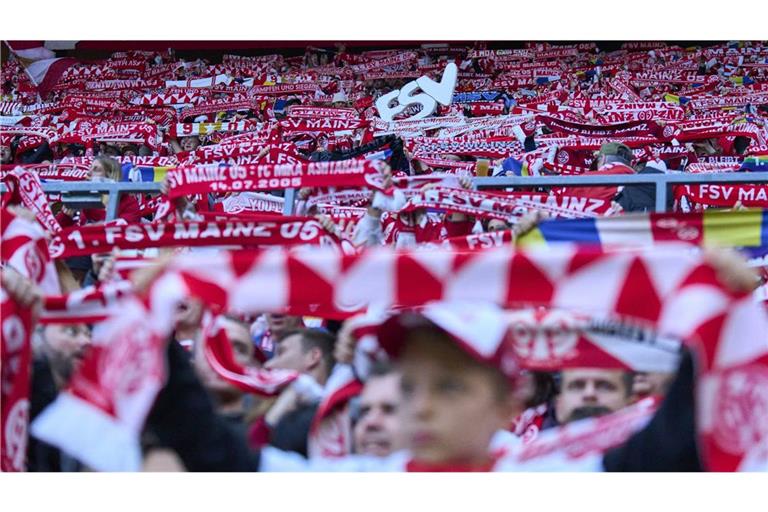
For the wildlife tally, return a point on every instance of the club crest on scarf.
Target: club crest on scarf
(545, 336)
(741, 408)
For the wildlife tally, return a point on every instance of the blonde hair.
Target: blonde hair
(112, 168)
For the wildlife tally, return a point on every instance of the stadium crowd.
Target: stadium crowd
(317, 282)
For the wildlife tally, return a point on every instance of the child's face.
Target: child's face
(190, 143)
(451, 404)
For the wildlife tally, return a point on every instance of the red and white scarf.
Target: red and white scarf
(251, 202)
(504, 206)
(487, 148)
(57, 172)
(15, 362)
(725, 194)
(24, 187)
(303, 111)
(200, 179)
(322, 124)
(284, 89)
(189, 129)
(394, 60)
(218, 353)
(662, 288)
(22, 246)
(251, 231)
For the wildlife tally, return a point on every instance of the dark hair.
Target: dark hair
(315, 338)
(381, 369)
(130, 147)
(740, 144)
(544, 388)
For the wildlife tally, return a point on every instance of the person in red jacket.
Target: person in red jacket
(102, 169)
(613, 158)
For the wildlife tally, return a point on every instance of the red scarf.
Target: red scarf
(85, 132)
(250, 231)
(250, 202)
(725, 194)
(189, 129)
(487, 148)
(223, 152)
(22, 246)
(119, 85)
(54, 172)
(355, 198)
(24, 187)
(718, 327)
(201, 179)
(324, 124)
(505, 206)
(302, 111)
(285, 89)
(16, 361)
(480, 241)
(168, 98)
(588, 437)
(218, 353)
(624, 112)
(214, 106)
(397, 59)
(636, 128)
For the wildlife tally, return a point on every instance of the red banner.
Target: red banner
(254, 231)
(321, 124)
(201, 179)
(725, 194)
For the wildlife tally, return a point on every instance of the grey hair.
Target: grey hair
(609, 159)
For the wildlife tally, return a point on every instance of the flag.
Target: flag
(143, 173)
(755, 164)
(514, 166)
(744, 228)
(40, 63)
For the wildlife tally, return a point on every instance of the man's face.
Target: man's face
(590, 392)
(290, 355)
(5, 154)
(377, 431)
(451, 405)
(190, 143)
(66, 347)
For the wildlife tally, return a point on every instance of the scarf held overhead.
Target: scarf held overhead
(662, 289)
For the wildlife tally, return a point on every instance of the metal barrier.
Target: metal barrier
(661, 182)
